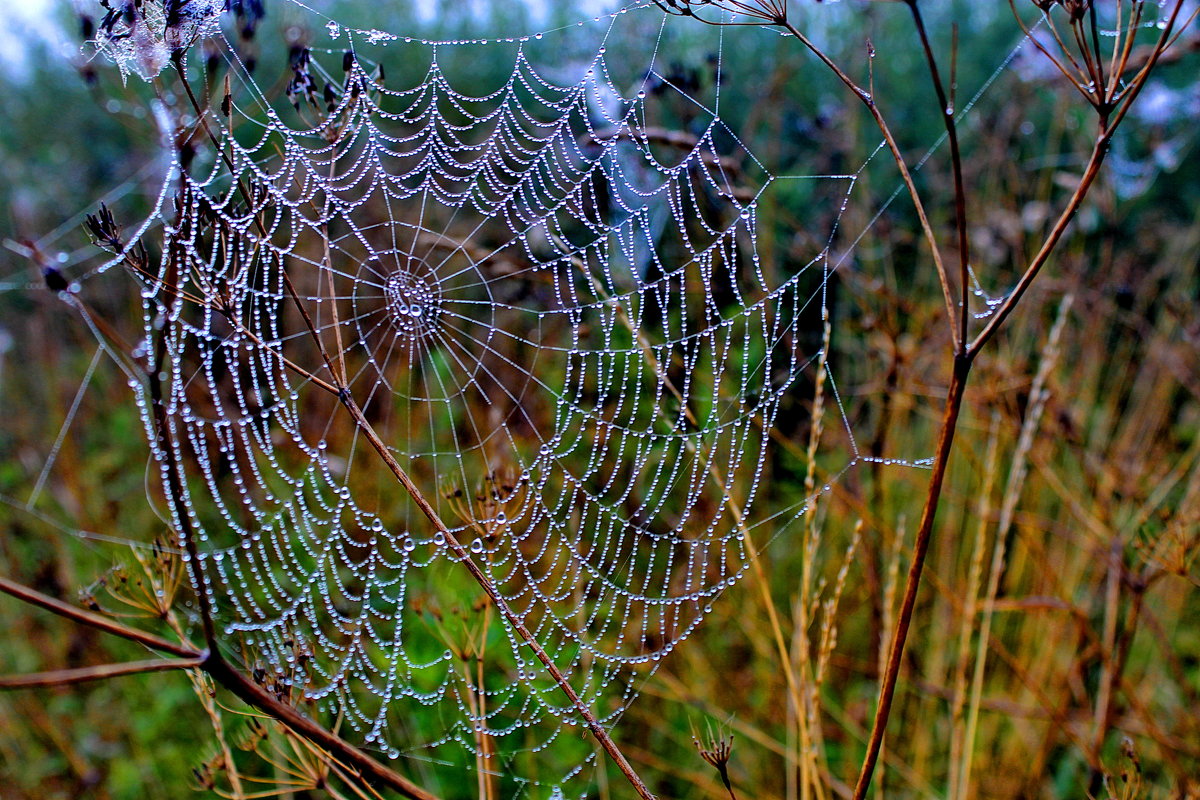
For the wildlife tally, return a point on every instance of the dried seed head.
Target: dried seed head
(770, 12)
(55, 280)
(104, 229)
(716, 750)
(141, 36)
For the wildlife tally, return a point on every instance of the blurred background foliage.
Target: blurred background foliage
(1094, 663)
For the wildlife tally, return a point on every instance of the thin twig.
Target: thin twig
(947, 111)
(357, 762)
(954, 398)
(64, 677)
(869, 101)
(84, 617)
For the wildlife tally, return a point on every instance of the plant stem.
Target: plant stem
(947, 111)
(223, 673)
(355, 760)
(84, 617)
(926, 227)
(954, 399)
(460, 553)
(63, 677)
(1110, 112)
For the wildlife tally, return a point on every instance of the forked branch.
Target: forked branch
(868, 100)
(1111, 106)
(1110, 89)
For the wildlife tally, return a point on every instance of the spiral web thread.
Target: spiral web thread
(555, 319)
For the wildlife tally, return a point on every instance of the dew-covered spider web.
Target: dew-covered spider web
(552, 316)
(546, 304)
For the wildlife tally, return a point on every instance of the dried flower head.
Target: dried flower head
(141, 35)
(716, 750)
(757, 12)
(1076, 8)
(104, 230)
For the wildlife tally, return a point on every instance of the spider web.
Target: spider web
(552, 313)
(556, 320)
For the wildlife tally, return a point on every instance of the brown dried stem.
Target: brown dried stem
(947, 112)
(93, 620)
(910, 185)
(65, 677)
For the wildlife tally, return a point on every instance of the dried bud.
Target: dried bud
(142, 37)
